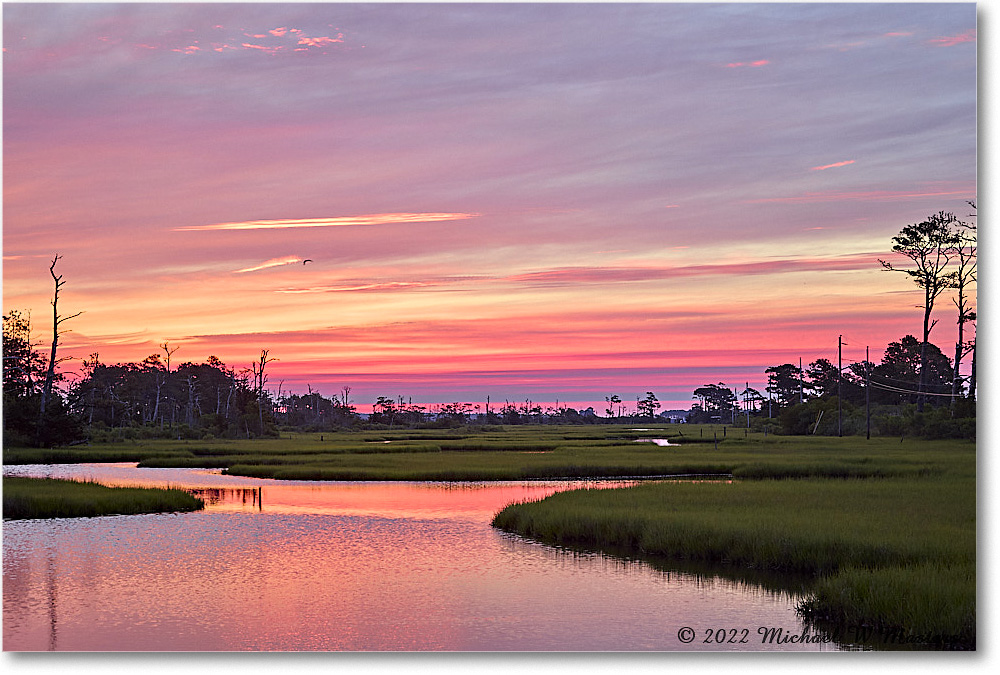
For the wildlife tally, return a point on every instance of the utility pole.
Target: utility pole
(840, 376)
(868, 386)
(801, 396)
(747, 403)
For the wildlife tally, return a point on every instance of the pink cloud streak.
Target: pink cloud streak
(832, 166)
(748, 64)
(952, 40)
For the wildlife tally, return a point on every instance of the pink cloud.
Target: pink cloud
(319, 41)
(897, 34)
(748, 64)
(831, 166)
(952, 40)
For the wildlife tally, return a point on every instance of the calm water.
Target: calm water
(276, 565)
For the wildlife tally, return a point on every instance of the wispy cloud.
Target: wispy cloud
(348, 288)
(952, 40)
(748, 64)
(337, 221)
(874, 195)
(580, 275)
(273, 262)
(831, 166)
(572, 276)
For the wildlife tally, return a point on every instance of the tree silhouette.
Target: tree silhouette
(929, 246)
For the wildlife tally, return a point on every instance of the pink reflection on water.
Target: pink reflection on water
(354, 566)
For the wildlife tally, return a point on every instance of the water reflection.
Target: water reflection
(216, 496)
(271, 565)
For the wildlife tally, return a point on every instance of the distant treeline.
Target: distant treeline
(152, 399)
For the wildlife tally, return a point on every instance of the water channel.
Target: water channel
(360, 566)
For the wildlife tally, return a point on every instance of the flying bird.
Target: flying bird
(306, 260)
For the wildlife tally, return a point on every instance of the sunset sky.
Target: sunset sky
(550, 201)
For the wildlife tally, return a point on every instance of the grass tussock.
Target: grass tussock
(53, 498)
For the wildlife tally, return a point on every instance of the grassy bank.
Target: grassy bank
(895, 554)
(51, 498)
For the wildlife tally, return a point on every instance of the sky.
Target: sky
(545, 202)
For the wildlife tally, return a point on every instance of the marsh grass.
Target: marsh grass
(513, 453)
(930, 603)
(893, 554)
(53, 498)
(884, 528)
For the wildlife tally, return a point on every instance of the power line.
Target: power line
(913, 391)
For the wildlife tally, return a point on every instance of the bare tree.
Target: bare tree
(259, 380)
(168, 351)
(964, 251)
(50, 373)
(928, 245)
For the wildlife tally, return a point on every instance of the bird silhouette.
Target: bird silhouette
(306, 260)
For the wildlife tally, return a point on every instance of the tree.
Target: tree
(24, 372)
(613, 400)
(823, 377)
(964, 252)
(260, 379)
(23, 367)
(907, 363)
(715, 401)
(752, 399)
(783, 382)
(50, 373)
(648, 406)
(929, 246)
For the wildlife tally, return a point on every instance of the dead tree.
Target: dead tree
(50, 373)
(259, 379)
(964, 248)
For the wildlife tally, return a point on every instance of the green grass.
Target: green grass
(514, 453)
(813, 526)
(52, 498)
(894, 554)
(924, 603)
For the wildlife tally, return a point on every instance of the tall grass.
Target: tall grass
(930, 603)
(53, 498)
(894, 554)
